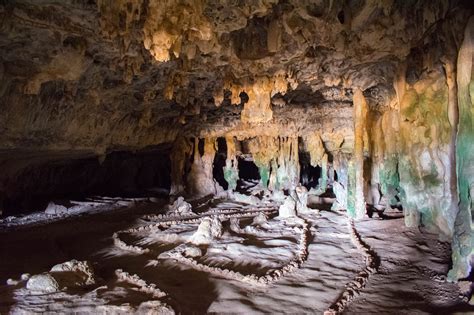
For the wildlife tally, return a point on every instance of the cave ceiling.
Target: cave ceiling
(100, 75)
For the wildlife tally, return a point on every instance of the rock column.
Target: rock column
(355, 198)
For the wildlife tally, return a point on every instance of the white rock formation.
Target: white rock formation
(54, 208)
(192, 251)
(209, 229)
(74, 273)
(251, 200)
(43, 283)
(180, 207)
(260, 219)
(288, 208)
(301, 196)
(66, 275)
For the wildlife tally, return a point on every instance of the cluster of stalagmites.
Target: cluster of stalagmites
(181, 255)
(276, 157)
(210, 229)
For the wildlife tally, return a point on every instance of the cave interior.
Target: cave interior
(216, 156)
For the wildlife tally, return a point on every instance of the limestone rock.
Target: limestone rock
(73, 273)
(288, 208)
(301, 197)
(180, 207)
(54, 208)
(209, 229)
(45, 283)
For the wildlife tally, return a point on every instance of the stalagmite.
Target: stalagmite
(200, 179)
(341, 185)
(231, 168)
(355, 198)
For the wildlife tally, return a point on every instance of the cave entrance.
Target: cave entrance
(309, 175)
(219, 163)
(248, 173)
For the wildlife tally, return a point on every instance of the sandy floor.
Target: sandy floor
(410, 279)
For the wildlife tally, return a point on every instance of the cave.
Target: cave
(309, 174)
(221, 156)
(248, 172)
(219, 163)
(41, 180)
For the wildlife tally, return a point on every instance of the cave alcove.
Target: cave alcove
(248, 171)
(219, 163)
(120, 174)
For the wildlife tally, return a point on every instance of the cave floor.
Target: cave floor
(409, 280)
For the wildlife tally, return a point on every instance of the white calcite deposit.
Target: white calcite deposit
(209, 229)
(70, 274)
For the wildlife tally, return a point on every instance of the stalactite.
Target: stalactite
(264, 149)
(355, 197)
(463, 240)
(277, 160)
(231, 170)
(319, 157)
(287, 164)
(259, 90)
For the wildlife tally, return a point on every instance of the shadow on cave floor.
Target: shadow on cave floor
(410, 262)
(36, 249)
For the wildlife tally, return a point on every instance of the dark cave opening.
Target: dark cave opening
(248, 171)
(219, 163)
(309, 175)
(121, 174)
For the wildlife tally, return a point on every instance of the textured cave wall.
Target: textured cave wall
(463, 241)
(416, 148)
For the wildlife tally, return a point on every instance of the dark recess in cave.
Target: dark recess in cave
(247, 171)
(309, 175)
(219, 163)
(121, 174)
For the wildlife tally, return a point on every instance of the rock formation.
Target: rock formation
(378, 94)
